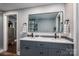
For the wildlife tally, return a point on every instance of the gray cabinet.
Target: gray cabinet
(31, 48)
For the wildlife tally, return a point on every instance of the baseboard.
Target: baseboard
(2, 50)
(18, 53)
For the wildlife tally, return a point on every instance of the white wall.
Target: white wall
(23, 14)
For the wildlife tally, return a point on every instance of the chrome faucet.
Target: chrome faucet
(32, 35)
(55, 36)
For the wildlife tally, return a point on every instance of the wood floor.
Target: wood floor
(11, 50)
(7, 54)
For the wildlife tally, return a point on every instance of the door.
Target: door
(12, 33)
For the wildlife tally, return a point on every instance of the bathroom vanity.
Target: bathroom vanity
(51, 45)
(40, 46)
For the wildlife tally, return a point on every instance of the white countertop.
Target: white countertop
(43, 39)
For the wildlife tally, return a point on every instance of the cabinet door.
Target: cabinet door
(42, 48)
(29, 51)
(61, 50)
(42, 51)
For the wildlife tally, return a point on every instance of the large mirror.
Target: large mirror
(46, 22)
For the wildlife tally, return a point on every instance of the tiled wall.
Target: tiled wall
(69, 15)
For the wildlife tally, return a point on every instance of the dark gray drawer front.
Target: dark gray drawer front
(28, 43)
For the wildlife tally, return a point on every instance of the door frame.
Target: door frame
(5, 29)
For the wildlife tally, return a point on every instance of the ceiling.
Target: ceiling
(14, 6)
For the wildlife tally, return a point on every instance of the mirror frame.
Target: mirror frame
(46, 13)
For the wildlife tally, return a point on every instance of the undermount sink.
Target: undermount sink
(43, 39)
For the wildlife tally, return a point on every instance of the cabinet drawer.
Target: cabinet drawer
(34, 44)
(41, 45)
(28, 43)
(59, 45)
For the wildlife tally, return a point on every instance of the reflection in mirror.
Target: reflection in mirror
(46, 22)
